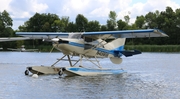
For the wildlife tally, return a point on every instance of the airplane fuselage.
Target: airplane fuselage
(79, 46)
(76, 47)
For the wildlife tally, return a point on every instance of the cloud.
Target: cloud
(75, 7)
(140, 8)
(92, 9)
(25, 8)
(21, 10)
(4, 4)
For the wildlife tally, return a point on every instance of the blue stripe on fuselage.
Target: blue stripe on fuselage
(100, 49)
(76, 44)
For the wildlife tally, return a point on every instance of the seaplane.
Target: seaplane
(23, 49)
(88, 46)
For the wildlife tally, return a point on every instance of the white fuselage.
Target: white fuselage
(78, 46)
(73, 47)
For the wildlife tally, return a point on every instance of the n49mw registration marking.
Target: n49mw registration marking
(102, 53)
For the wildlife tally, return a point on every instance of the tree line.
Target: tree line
(167, 21)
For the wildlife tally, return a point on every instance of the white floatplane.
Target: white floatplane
(88, 45)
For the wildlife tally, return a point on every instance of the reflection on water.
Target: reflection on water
(149, 76)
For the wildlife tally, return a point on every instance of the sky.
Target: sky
(21, 10)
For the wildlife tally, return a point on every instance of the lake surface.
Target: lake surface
(149, 76)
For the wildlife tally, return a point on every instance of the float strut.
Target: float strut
(58, 61)
(69, 61)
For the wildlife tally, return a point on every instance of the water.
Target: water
(149, 76)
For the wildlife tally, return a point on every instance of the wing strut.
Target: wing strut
(100, 43)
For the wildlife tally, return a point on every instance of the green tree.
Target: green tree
(61, 25)
(24, 27)
(81, 22)
(6, 28)
(93, 26)
(57, 25)
(111, 22)
(121, 24)
(72, 27)
(103, 28)
(170, 25)
(40, 23)
(151, 20)
(177, 27)
(127, 18)
(65, 20)
(140, 22)
(5, 24)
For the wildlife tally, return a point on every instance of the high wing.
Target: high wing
(13, 39)
(96, 35)
(126, 34)
(43, 35)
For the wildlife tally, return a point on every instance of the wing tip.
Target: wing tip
(163, 34)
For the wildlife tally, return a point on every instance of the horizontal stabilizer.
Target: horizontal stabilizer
(130, 53)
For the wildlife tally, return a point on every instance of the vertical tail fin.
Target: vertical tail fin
(118, 50)
(113, 46)
(117, 44)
